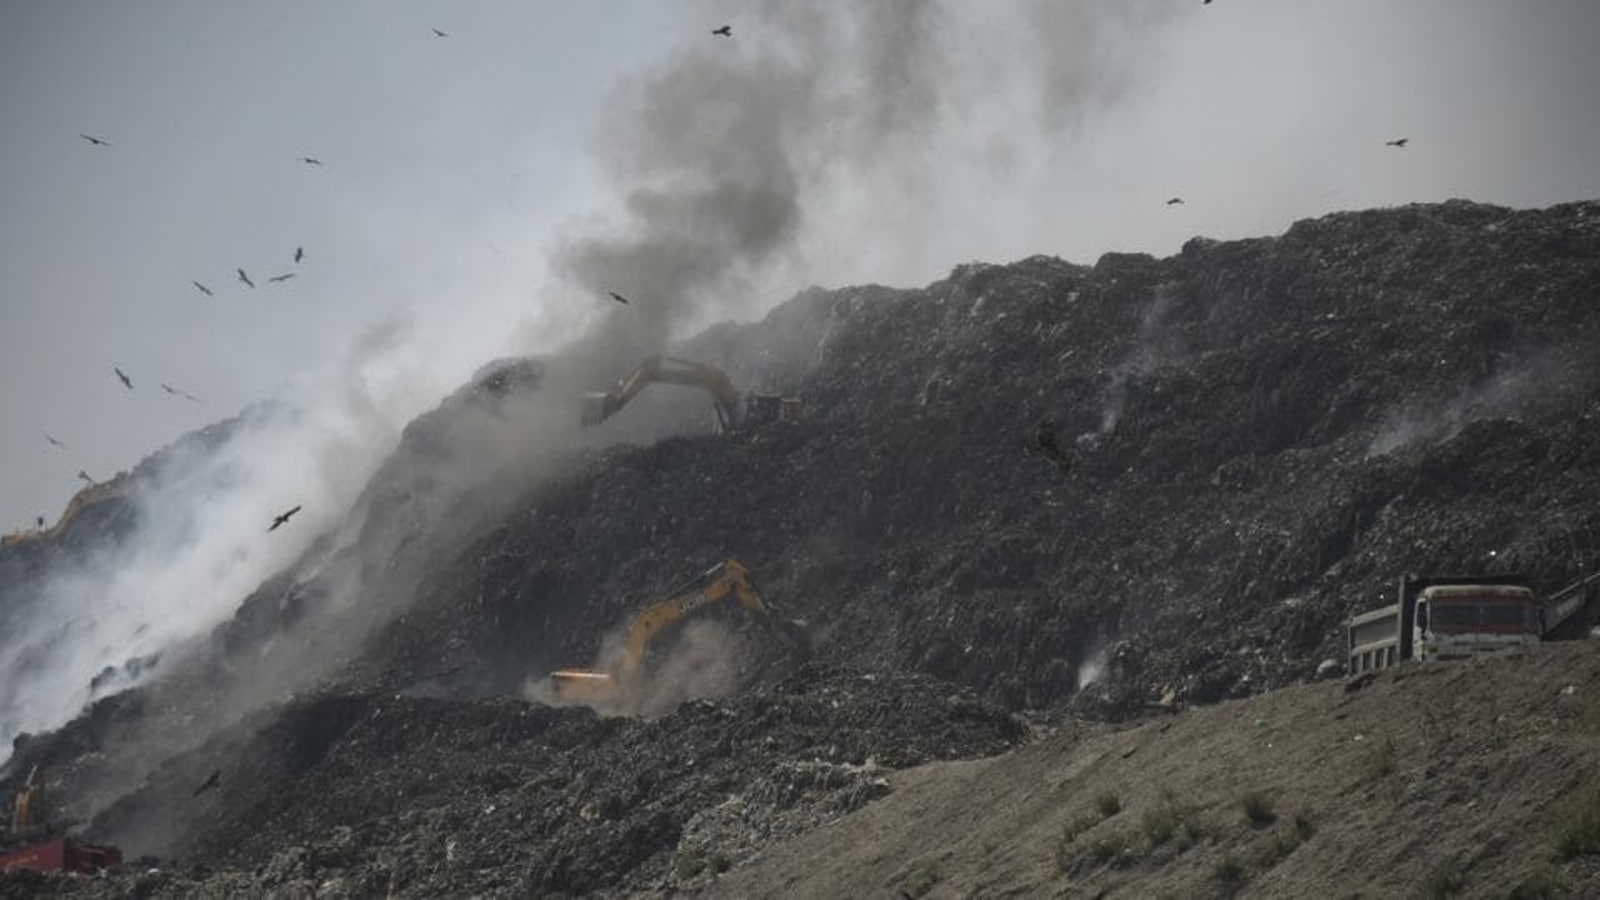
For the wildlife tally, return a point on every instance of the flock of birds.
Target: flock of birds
(300, 255)
(1397, 142)
(245, 279)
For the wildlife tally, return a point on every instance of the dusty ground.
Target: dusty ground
(1454, 780)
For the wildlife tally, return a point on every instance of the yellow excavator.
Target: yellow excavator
(728, 578)
(734, 410)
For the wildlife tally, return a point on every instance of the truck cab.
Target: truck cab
(1459, 621)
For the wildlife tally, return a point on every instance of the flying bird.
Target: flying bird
(281, 518)
(725, 31)
(211, 782)
(617, 297)
(438, 33)
(177, 393)
(55, 442)
(309, 160)
(1175, 201)
(299, 254)
(124, 376)
(203, 289)
(98, 142)
(1397, 142)
(277, 278)
(246, 279)
(85, 476)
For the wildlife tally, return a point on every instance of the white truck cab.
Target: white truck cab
(1459, 621)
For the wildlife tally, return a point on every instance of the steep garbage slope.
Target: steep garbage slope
(362, 794)
(1265, 434)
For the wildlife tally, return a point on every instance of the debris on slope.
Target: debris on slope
(1261, 437)
(427, 797)
(1265, 434)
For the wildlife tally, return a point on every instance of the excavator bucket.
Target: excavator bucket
(597, 407)
(585, 686)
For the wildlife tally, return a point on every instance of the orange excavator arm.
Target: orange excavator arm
(727, 578)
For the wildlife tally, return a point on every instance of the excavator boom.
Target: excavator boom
(734, 410)
(727, 578)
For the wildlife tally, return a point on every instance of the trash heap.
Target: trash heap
(1261, 437)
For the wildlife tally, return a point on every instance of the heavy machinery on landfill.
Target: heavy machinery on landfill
(726, 579)
(735, 410)
(33, 844)
(1440, 618)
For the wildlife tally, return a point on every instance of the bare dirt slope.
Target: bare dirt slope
(1452, 780)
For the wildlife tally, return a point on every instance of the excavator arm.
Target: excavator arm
(727, 578)
(667, 370)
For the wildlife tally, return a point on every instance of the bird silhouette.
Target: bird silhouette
(203, 289)
(1397, 142)
(725, 31)
(85, 476)
(299, 254)
(98, 142)
(617, 297)
(55, 442)
(179, 393)
(210, 783)
(1175, 201)
(438, 34)
(281, 518)
(126, 382)
(246, 279)
(279, 278)
(39, 520)
(310, 160)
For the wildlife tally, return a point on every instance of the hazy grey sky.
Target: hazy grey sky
(451, 164)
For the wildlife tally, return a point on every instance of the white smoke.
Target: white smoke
(201, 543)
(1152, 348)
(1514, 391)
(1093, 667)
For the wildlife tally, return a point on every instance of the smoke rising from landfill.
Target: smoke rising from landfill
(836, 143)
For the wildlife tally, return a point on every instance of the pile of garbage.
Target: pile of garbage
(1057, 487)
(364, 794)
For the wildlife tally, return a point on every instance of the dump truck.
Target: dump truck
(1458, 617)
(727, 579)
(31, 843)
(735, 410)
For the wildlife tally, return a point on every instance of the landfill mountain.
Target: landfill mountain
(1262, 436)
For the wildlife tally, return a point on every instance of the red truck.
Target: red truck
(47, 854)
(61, 855)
